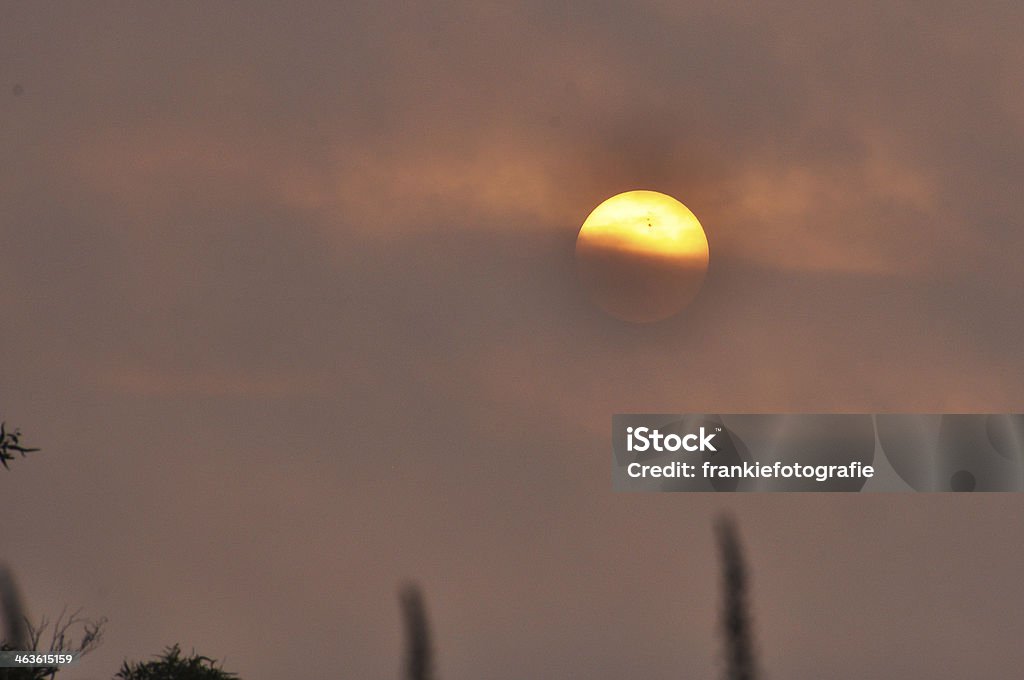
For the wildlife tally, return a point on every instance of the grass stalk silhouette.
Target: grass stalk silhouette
(419, 661)
(15, 631)
(739, 647)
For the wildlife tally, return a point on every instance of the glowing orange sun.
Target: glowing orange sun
(642, 256)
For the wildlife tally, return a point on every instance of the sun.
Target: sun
(642, 255)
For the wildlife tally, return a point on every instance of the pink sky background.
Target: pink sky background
(289, 303)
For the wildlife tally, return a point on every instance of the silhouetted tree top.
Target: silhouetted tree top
(10, 443)
(173, 666)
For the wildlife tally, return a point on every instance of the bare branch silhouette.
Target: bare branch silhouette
(419, 653)
(63, 637)
(740, 660)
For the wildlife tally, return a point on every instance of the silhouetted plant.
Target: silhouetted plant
(740, 662)
(65, 635)
(62, 639)
(11, 442)
(173, 666)
(419, 663)
(20, 634)
(16, 633)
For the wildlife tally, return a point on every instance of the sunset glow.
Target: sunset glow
(642, 256)
(648, 223)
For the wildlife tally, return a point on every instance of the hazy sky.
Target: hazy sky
(288, 300)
